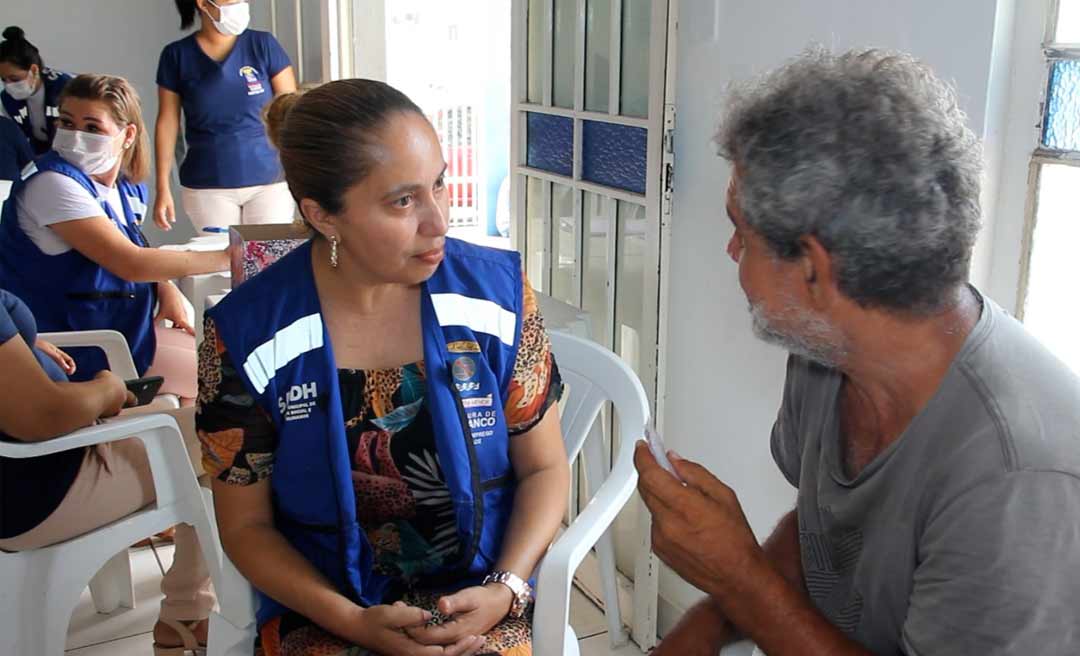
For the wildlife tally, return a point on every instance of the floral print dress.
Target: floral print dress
(402, 499)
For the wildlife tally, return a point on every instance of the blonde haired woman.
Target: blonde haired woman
(71, 247)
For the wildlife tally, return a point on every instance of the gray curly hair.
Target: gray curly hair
(869, 152)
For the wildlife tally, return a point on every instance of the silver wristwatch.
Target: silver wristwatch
(523, 592)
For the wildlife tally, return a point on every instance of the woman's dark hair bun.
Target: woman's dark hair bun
(14, 33)
(15, 49)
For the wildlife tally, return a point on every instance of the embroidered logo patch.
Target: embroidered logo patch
(464, 368)
(251, 77)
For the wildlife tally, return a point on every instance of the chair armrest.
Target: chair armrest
(112, 431)
(557, 569)
(165, 448)
(117, 351)
(585, 531)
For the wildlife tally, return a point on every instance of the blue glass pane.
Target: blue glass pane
(614, 155)
(1062, 125)
(550, 143)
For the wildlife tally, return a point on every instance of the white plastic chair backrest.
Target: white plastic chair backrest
(594, 375)
(113, 343)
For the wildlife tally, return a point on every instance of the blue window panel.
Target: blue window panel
(614, 155)
(550, 143)
(1061, 129)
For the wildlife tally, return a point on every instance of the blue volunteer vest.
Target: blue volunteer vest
(71, 292)
(19, 110)
(471, 319)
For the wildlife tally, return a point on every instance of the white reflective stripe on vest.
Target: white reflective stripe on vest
(303, 335)
(479, 315)
(136, 205)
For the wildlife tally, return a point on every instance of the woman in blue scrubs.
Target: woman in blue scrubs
(221, 76)
(31, 95)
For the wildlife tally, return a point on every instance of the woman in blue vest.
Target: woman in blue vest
(222, 76)
(377, 408)
(31, 95)
(71, 247)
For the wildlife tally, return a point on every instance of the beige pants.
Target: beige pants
(244, 205)
(115, 481)
(175, 360)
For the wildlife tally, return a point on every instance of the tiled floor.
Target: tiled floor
(127, 632)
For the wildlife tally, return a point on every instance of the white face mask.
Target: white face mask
(235, 18)
(93, 153)
(22, 89)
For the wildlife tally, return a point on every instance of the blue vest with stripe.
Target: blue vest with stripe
(471, 321)
(19, 110)
(70, 291)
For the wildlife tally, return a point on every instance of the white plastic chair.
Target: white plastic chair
(41, 586)
(117, 354)
(593, 376)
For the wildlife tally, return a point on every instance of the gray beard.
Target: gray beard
(815, 340)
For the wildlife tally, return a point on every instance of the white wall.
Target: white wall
(724, 386)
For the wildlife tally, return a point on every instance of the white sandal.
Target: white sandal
(186, 632)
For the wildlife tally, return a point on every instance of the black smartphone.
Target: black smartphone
(144, 389)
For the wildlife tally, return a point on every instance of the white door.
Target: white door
(591, 160)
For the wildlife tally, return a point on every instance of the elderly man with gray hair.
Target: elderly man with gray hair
(934, 443)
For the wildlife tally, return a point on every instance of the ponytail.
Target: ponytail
(187, 13)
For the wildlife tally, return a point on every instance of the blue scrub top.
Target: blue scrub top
(222, 103)
(15, 150)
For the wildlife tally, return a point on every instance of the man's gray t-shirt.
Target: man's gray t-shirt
(962, 537)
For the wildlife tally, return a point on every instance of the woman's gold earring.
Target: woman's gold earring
(333, 251)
